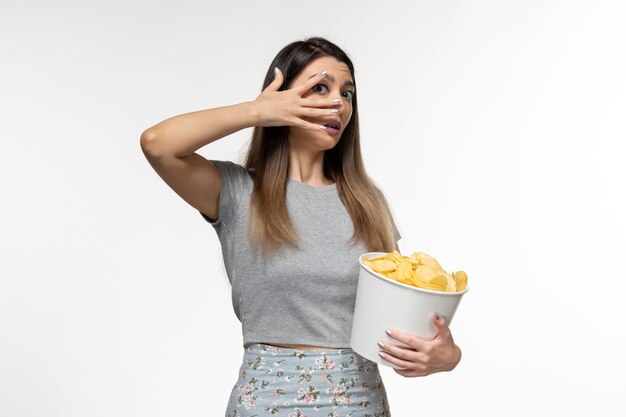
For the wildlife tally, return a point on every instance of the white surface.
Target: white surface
(496, 129)
(383, 303)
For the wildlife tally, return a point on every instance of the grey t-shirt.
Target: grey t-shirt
(303, 295)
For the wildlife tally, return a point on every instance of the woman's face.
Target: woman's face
(338, 83)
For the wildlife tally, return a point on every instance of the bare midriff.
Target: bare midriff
(301, 347)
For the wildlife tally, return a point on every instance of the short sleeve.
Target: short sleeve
(232, 178)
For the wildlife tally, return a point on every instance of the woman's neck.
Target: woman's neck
(308, 168)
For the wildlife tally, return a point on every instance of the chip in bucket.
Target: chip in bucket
(420, 270)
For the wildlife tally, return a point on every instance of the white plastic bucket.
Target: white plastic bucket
(384, 303)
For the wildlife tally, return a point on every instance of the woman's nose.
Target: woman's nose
(338, 103)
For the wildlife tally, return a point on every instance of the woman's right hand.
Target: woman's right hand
(285, 108)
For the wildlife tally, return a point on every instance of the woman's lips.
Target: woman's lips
(332, 130)
(334, 123)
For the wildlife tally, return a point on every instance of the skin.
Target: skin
(307, 144)
(423, 357)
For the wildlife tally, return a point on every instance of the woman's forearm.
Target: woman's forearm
(184, 134)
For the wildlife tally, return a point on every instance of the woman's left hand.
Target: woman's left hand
(424, 357)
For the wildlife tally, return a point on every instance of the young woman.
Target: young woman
(292, 221)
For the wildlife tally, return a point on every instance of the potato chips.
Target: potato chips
(419, 270)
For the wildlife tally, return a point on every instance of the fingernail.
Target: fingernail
(437, 317)
(322, 127)
(275, 70)
(381, 354)
(334, 110)
(337, 100)
(381, 344)
(324, 73)
(388, 332)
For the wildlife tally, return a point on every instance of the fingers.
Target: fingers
(296, 121)
(403, 353)
(412, 341)
(289, 110)
(278, 80)
(406, 364)
(442, 327)
(308, 102)
(301, 89)
(309, 112)
(309, 107)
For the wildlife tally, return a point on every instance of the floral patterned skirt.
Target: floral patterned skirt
(307, 383)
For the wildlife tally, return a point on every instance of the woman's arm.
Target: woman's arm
(184, 134)
(170, 147)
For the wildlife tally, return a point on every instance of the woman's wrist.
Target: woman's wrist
(250, 113)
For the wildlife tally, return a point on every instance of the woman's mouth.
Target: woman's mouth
(333, 127)
(332, 130)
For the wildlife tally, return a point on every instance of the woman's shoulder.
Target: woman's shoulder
(231, 169)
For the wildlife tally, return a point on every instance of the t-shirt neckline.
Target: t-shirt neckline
(303, 185)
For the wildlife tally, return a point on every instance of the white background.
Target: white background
(495, 128)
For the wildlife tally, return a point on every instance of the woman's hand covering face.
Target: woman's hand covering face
(285, 108)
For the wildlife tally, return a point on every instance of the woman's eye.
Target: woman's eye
(349, 95)
(319, 85)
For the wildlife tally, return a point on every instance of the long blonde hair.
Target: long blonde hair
(270, 226)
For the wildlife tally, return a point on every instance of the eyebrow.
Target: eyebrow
(331, 78)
